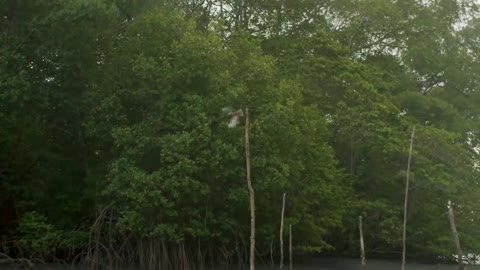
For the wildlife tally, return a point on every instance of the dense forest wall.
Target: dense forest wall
(115, 149)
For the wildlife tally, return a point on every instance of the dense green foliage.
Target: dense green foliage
(113, 141)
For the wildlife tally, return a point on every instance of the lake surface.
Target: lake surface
(319, 264)
(354, 264)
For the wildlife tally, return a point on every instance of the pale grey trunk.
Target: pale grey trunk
(362, 246)
(281, 231)
(290, 249)
(251, 192)
(405, 205)
(453, 227)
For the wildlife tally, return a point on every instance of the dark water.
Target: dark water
(354, 264)
(316, 264)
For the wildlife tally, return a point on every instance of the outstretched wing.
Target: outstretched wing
(227, 110)
(234, 116)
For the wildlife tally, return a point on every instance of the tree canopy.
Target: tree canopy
(115, 147)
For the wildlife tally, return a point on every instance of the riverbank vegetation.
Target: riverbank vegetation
(115, 150)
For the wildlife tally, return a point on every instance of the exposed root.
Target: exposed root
(20, 263)
(109, 250)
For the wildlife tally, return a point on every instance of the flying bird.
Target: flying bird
(234, 116)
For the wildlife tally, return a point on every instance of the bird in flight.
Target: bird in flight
(234, 116)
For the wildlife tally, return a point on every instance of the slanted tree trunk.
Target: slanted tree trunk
(362, 246)
(281, 231)
(251, 192)
(453, 227)
(405, 205)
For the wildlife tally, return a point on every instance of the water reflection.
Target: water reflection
(353, 264)
(314, 264)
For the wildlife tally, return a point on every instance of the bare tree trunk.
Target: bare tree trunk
(455, 236)
(362, 246)
(290, 249)
(251, 191)
(405, 205)
(281, 231)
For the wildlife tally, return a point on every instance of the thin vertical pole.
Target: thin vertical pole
(453, 227)
(251, 191)
(281, 231)
(290, 249)
(405, 205)
(362, 246)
